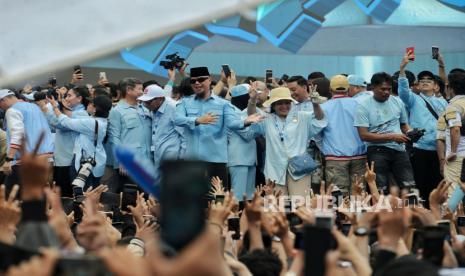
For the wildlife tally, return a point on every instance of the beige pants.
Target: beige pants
(293, 187)
(452, 172)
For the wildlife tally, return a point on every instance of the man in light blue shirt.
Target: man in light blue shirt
(344, 151)
(424, 110)
(206, 118)
(382, 123)
(168, 142)
(129, 126)
(358, 88)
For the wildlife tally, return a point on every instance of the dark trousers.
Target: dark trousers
(389, 161)
(425, 164)
(12, 179)
(62, 178)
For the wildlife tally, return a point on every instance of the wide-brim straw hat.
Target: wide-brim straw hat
(279, 94)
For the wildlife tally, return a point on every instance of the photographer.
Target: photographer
(88, 147)
(424, 110)
(74, 103)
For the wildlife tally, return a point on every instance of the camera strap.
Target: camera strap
(95, 138)
(430, 108)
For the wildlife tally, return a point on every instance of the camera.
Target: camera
(173, 61)
(415, 134)
(87, 164)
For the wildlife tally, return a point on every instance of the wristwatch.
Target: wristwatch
(361, 231)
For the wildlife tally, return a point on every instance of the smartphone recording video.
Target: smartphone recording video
(269, 76)
(226, 70)
(411, 50)
(183, 192)
(435, 52)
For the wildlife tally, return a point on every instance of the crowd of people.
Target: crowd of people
(306, 176)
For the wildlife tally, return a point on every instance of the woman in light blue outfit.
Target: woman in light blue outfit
(287, 135)
(242, 148)
(75, 102)
(84, 147)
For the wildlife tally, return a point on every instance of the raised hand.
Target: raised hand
(58, 220)
(10, 214)
(254, 209)
(231, 80)
(219, 212)
(439, 195)
(370, 175)
(34, 171)
(217, 186)
(94, 194)
(138, 210)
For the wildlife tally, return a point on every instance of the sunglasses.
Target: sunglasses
(199, 79)
(426, 80)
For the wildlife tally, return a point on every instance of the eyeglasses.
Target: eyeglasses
(199, 79)
(282, 103)
(426, 81)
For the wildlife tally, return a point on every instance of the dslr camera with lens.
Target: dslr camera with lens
(173, 61)
(87, 164)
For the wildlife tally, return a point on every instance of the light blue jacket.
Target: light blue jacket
(207, 142)
(130, 126)
(168, 142)
(340, 137)
(64, 138)
(296, 130)
(420, 116)
(33, 124)
(242, 147)
(84, 145)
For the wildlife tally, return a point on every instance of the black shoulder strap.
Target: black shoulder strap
(430, 108)
(95, 138)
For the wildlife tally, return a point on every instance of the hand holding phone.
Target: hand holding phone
(411, 51)
(435, 52)
(269, 76)
(234, 225)
(226, 70)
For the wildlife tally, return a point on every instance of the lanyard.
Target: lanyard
(280, 131)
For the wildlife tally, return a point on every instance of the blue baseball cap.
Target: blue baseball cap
(240, 90)
(356, 80)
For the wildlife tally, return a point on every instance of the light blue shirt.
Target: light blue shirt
(382, 117)
(64, 137)
(295, 131)
(84, 144)
(360, 96)
(207, 142)
(340, 137)
(168, 140)
(303, 106)
(420, 116)
(130, 126)
(242, 147)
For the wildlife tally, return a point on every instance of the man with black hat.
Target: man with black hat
(424, 110)
(206, 118)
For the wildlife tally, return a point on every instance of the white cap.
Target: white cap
(5, 92)
(151, 92)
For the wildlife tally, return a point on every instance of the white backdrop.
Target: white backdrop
(45, 35)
